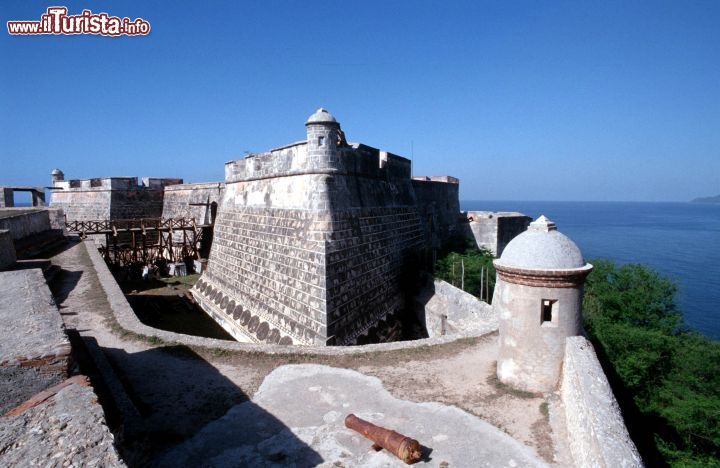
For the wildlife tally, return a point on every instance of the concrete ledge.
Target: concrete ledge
(127, 319)
(61, 426)
(596, 429)
(34, 350)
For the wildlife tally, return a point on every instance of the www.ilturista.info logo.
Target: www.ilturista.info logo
(57, 21)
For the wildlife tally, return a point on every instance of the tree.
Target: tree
(670, 373)
(461, 253)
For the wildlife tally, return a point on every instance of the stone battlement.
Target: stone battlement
(114, 183)
(356, 159)
(109, 198)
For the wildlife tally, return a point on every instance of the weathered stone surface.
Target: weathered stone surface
(34, 350)
(110, 198)
(314, 240)
(197, 201)
(439, 207)
(26, 222)
(598, 436)
(538, 298)
(445, 309)
(312, 275)
(65, 426)
(274, 430)
(494, 230)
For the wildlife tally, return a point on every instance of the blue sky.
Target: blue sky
(520, 100)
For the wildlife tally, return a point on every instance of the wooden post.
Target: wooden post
(482, 278)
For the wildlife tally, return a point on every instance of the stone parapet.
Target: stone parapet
(26, 222)
(596, 430)
(445, 309)
(296, 159)
(126, 318)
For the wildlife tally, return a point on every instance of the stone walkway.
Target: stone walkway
(173, 392)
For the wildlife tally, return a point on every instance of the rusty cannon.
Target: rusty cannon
(403, 447)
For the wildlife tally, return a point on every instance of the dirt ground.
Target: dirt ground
(177, 390)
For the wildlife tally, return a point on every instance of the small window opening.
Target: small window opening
(546, 313)
(321, 141)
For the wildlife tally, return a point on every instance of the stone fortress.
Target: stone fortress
(314, 239)
(314, 244)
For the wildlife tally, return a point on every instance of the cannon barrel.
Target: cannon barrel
(403, 447)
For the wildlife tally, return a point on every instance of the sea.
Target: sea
(681, 241)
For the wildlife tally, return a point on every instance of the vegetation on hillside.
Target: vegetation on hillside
(665, 376)
(460, 253)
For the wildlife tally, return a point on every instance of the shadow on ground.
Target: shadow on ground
(63, 284)
(176, 393)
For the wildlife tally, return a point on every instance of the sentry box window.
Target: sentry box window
(548, 312)
(321, 141)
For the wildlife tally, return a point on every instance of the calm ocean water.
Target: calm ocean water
(679, 240)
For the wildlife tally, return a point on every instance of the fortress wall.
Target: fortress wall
(136, 203)
(494, 230)
(26, 223)
(110, 198)
(596, 430)
(439, 206)
(371, 258)
(265, 280)
(7, 249)
(373, 251)
(316, 257)
(360, 160)
(192, 201)
(83, 205)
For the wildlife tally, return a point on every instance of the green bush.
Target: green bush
(670, 373)
(459, 252)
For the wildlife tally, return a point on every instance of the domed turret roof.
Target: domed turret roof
(541, 247)
(321, 116)
(56, 172)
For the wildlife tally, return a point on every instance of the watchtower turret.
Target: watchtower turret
(323, 138)
(57, 175)
(538, 297)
